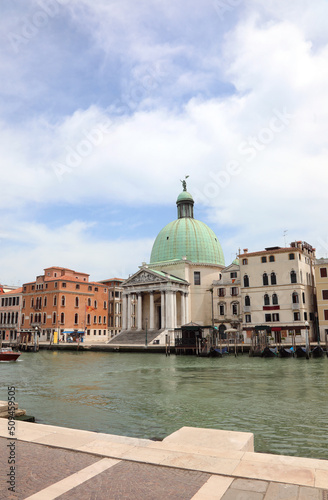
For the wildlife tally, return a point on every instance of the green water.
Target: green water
(284, 402)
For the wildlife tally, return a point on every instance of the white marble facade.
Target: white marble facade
(156, 300)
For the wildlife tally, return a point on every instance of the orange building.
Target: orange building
(64, 305)
(10, 315)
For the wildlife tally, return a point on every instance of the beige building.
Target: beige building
(321, 281)
(277, 290)
(227, 308)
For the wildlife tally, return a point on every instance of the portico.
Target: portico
(155, 300)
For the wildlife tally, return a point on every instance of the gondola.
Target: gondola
(215, 352)
(317, 352)
(269, 352)
(286, 352)
(301, 352)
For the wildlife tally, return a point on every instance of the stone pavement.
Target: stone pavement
(199, 464)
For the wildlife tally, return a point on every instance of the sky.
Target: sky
(105, 106)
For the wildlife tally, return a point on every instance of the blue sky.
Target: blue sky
(105, 105)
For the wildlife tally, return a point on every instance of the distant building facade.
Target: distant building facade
(321, 280)
(278, 290)
(10, 314)
(115, 292)
(63, 303)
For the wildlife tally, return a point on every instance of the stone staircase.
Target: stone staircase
(136, 337)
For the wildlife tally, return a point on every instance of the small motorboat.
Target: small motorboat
(7, 354)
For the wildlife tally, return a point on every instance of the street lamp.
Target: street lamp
(146, 343)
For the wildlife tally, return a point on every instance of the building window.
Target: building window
(64, 285)
(326, 314)
(271, 258)
(323, 272)
(247, 300)
(196, 278)
(221, 292)
(221, 309)
(265, 279)
(104, 320)
(245, 262)
(95, 319)
(95, 304)
(55, 300)
(76, 318)
(62, 318)
(44, 318)
(303, 297)
(63, 301)
(266, 300)
(325, 294)
(55, 284)
(89, 288)
(275, 317)
(77, 301)
(274, 299)
(96, 289)
(297, 316)
(89, 302)
(234, 291)
(77, 287)
(54, 317)
(88, 319)
(263, 259)
(45, 302)
(273, 279)
(295, 297)
(233, 274)
(246, 281)
(291, 256)
(268, 317)
(293, 277)
(105, 304)
(305, 316)
(235, 309)
(99, 320)
(248, 318)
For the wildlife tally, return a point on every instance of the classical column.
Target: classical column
(163, 324)
(183, 308)
(187, 307)
(129, 311)
(151, 311)
(139, 316)
(168, 309)
(174, 309)
(124, 312)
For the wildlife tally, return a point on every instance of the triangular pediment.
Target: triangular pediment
(145, 276)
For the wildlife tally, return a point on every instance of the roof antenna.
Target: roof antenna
(285, 232)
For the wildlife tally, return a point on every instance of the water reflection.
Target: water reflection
(282, 401)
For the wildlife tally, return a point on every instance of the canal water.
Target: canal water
(284, 402)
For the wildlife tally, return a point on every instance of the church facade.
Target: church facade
(175, 287)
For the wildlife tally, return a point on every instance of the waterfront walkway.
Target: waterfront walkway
(199, 464)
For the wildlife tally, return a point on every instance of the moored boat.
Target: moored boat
(286, 352)
(7, 354)
(269, 352)
(301, 352)
(317, 352)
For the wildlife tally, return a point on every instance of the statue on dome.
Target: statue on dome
(184, 184)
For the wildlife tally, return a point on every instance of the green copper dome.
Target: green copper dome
(187, 237)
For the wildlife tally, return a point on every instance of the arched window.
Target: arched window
(31, 318)
(293, 277)
(295, 298)
(88, 319)
(45, 302)
(95, 304)
(271, 258)
(62, 318)
(63, 302)
(246, 281)
(89, 302)
(265, 279)
(221, 309)
(76, 318)
(54, 317)
(55, 300)
(274, 299)
(247, 300)
(266, 300)
(44, 318)
(273, 278)
(77, 302)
